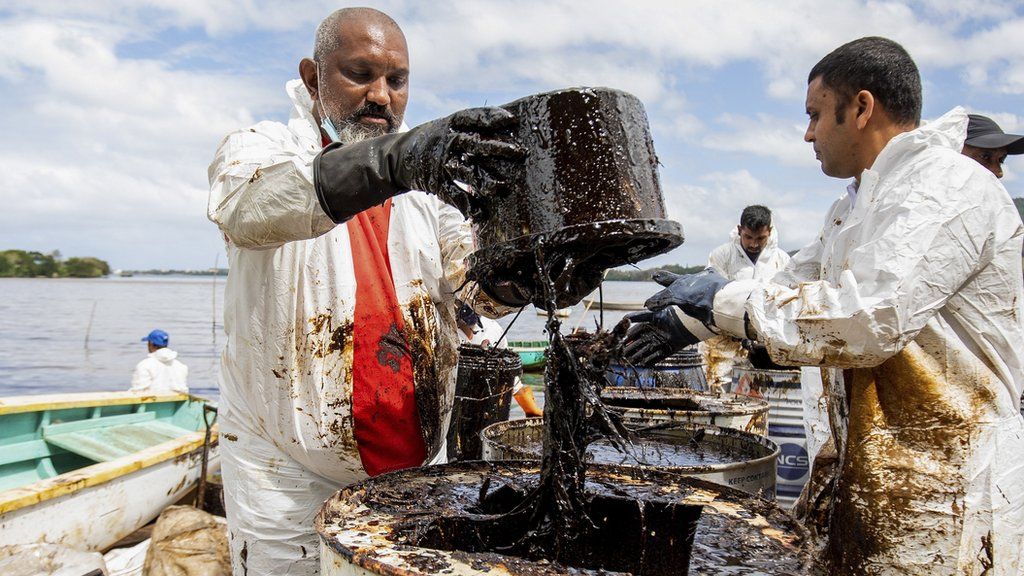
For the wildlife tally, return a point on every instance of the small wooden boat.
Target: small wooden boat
(531, 352)
(595, 304)
(85, 470)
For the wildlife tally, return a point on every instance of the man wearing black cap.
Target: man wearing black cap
(989, 145)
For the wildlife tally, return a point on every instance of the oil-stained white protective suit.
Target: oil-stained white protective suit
(730, 260)
(913, 294)
(286, 378)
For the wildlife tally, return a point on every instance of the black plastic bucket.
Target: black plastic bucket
(483, 394)
(588, 196)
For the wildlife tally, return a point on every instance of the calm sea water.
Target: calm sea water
(44, 324)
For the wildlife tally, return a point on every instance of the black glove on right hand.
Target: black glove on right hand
(694, 293)
(653, 336)
(475, 146)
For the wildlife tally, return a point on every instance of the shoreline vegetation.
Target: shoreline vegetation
(28, 264)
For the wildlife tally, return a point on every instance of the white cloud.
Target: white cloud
(762, 135)
(710, 210)
(109, 144)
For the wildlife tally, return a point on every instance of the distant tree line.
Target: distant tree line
(644, 275)
(166, 272)
(27, 264)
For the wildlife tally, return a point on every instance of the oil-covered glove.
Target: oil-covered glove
(655, 335)
(474, 146)
(693, 293)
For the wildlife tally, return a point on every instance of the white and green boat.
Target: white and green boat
(85, 470)
(533, 353)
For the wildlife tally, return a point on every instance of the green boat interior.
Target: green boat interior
(41, 444)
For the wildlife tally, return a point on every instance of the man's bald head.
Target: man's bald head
(359, 74)
(331, 31)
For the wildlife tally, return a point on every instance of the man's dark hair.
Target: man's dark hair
(755, 217)
(879, 66)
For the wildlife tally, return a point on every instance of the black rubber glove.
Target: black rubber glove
(474, 146)
(693, 293)
(653, 336)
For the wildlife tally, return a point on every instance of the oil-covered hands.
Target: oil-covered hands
(678, 316)
(654, 335)
(693, 293)
(476, 147)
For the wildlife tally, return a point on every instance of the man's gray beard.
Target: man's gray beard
(352, 132)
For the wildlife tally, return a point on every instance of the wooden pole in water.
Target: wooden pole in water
(586, 307)
(88, 328)
(213, 317)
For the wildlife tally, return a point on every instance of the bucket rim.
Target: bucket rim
(769, 445)
(738, 404)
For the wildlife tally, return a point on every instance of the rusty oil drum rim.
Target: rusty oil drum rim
(491, 358)
(755, 405)
(762, 441)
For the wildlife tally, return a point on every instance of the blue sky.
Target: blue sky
(112, 109)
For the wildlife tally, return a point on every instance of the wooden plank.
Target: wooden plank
(92, 423)
(22, 451)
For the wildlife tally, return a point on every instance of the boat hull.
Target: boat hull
(531, 353)
(146, 454)
(96, 517)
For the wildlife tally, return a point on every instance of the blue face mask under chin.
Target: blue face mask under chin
(330, 130)
(326, 124)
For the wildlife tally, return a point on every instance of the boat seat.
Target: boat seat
(109, 442)
(28, 450)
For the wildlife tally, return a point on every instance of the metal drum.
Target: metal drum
(483, 394)
(684, 369)
(648, 406)
(588, 197)
(721, 455)
(781, 388)
(436, 520)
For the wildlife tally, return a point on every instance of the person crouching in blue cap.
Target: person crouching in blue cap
(161, 372)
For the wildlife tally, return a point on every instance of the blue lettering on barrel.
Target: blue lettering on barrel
(792, 461)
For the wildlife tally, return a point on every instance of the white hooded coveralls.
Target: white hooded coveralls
(731, 261)
(913, 295)
(722, 353)
(285, 379)
(160, 373)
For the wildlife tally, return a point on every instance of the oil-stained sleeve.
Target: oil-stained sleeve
(455, 236)
(902, 266)
(261, 190)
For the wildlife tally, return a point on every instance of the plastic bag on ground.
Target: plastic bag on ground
(188, 542)
(127, 561)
